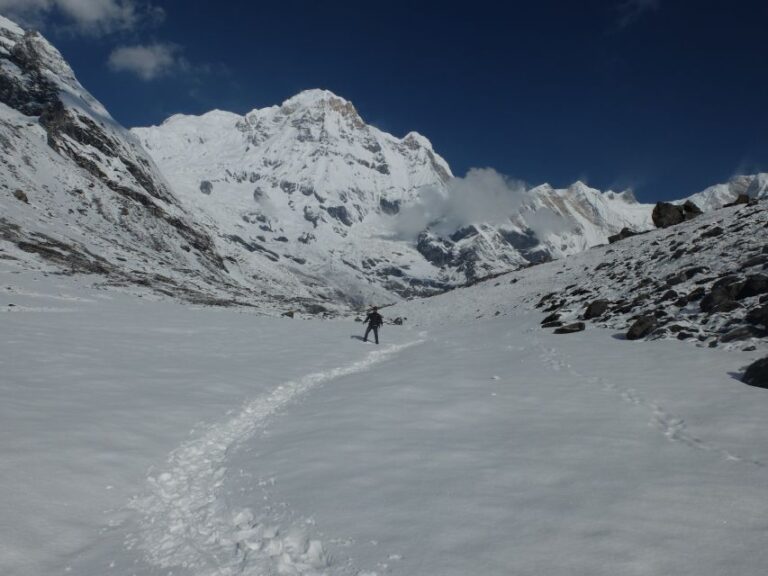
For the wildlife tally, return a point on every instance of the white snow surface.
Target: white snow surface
(144, 437)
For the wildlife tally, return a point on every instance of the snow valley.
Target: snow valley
(558, 389)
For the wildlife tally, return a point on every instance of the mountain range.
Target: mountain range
(299, 206)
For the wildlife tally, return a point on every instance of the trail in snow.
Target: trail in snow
(672, 426)
(184, 521)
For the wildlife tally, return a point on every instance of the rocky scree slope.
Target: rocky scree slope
(705, 280)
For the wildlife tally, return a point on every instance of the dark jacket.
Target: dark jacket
(374, 319)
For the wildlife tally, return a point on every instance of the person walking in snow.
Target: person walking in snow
(374, 320)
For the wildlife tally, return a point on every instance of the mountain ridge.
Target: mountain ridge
(298, 205)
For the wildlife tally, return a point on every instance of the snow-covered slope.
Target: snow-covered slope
(77, 189)
(144, 436)
(312, 184)
(714, 197)
(307, 183)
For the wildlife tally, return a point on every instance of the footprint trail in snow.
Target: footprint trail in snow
(184, 521)
(673, 427)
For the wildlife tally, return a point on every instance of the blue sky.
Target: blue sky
(665, 96)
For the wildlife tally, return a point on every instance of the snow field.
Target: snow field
(183, 522)
(144, 437)
(496, 449)
(99, 387)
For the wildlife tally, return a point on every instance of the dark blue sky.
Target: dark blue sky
(663, 95)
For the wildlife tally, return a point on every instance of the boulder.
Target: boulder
(696, 294)
(755, 261)
(758, 316)
(551, 318)
(757, 374)
(596, 309)
(624, 233)
(20, 196)
(666, 214)
(712, 232)
(740, 333)
(676, 278)
(755, 285)
(641, 327)
(668, 295)
(206, 187)
(570, 328)
(691, 210)
(722, 295)
(691, 272)
(740, 199)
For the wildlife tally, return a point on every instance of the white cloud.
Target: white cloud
(483, 195)
(148, 62)
(96, 17)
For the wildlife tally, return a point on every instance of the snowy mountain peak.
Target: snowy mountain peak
(314, 98)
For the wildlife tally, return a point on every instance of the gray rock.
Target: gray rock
(206, 187)
(757, 374)
(642, 327)
(755, 285)
(570, 328)
(315, 308)
(596, 309)
(340, 213)
(722, 295)
(624, 233)
(740, 333)
(712, 232)
(758, 316)
(551, 318)
(666, 214)
(755, 261)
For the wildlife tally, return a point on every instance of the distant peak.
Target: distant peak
(416, 140)
(578, 186)
(313, 97)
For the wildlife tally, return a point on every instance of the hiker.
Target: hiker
(374, 320)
